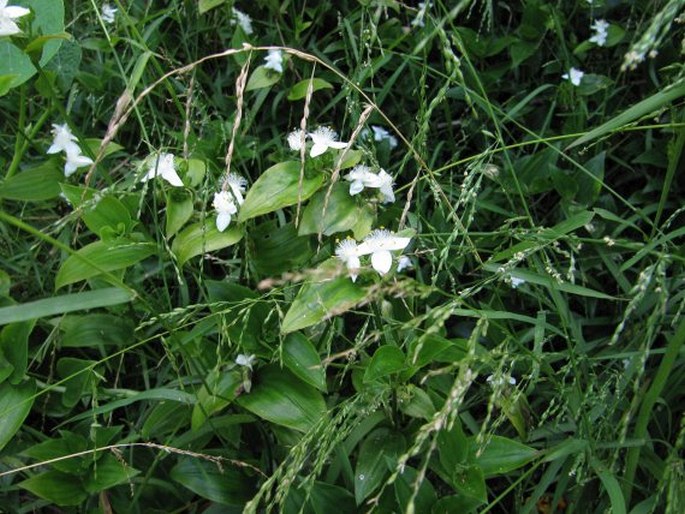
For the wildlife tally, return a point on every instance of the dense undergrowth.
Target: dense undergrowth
(361, 256)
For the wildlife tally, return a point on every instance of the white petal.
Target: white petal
(14, 11)
(381, 261)
(223, 219)
(356, 187)
(388, 194)
(337, 144)
(172, 178)
(318, 149)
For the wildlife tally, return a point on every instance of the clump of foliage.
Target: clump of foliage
(363, 256)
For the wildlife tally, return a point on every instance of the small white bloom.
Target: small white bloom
(574, 75)
(385, 186)
(515, 282)
(296, 140)
(245, 360)
(380, 134)
(225, 208)
(75, 160)
(600, 36)
(274, 61)
(499, 381)
(237, 185)
(403, 263)
(420, 15)
(108, 13)
(163, 165)
(361, 176)
(9, 13)
(379, 243)
(243, 20)
(348, 252)
(63, 140)
(324, 138)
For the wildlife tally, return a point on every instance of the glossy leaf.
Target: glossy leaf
(15, 405)
(14, 346)
(59, 488)
(34, 184)
(281, 398)
(219, 390)
(68, 444)
(200, 238)
(319, 301)
(179, 209)
(299, 90)
(386, 360)
(93, 259)
(300, 357)
(262, 77)
(405, 486)
(278, 187)
(225, 485)
(379, 447)
(501, 455)
(342, 213)
(108, 472)
(94, 330)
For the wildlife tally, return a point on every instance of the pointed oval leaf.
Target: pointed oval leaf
(59, 488)
(386, 360)
(299, 90)
(99, 257)
(372, 468)
(341, 214)
(200, 238)
(179, 209)
(280, 397)
(225, 485)
(300, 357)
(278, 187)
(262, 77)
(35, 184)
(319, 301)
(15, 404)
(501, 455)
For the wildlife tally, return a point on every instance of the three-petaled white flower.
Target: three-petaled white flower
(348, 252)
(245, 360)
(500, 381)
(9, 13)
(323, 139)
(379, 243)
(225, 209)
(600, 36)
(108, 13)
(243, 20)
(381, 134)
(75, 160)
(237, 184)
(274, 61)
(296, 140)
(65, 141)
(515, 282)
(574, 75)
(403, 263)
(361, 176)
(163, 166)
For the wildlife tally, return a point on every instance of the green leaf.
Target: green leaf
(278, 249)
(206, 5)
(470, 482)
(59, 488)
(319, 301)
(200, 238)
(379, 447)
(179, 209)
(34, 184)
(612, 486)
(225, 484)
(501, 455)
(300, 357)
(386, 360)
(99, 257)
(94, 330)
(262, 77)
(405, 486)
(589, 186)
(99, 213)
(65, 63)
(640, 109)
(108, 472)
(79, 376)
(14, 346)
(299, 90)
(68, 444)
(456, 503)
(219, 390)
(342, 212)
(416, 402)
(281, 398)
(276, 188)
(49, 21)
(15, 405)
(14, 63)
(324, 496)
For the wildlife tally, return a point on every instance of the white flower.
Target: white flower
(243, 20)
(574, 75)
(245, 360)
(361, 176)
(75, 160)
(403, 263)
(420, 15)
(63, 140)
(163, 165)
(7, 16)
(274, 61)
(225, 208)
(296, 140)
(237, 185)
(600, 36)
(499, 381)
(324, 138)
(108, 13)
(348, 252)
(380, 134)
(379, 243)
(515, 282)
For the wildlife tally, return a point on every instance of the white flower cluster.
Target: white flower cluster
(379, 244)
(322, 138)
(162, 165)
(227, 201)
(243, 20)
(65, 141)
(601, 28)
(361, 177)
(9, 13)
(108, 13)
(274, 61)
